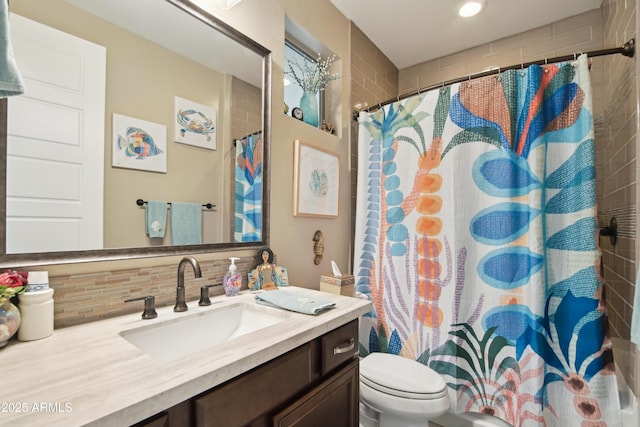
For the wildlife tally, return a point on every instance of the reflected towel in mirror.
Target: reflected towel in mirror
(186, 223)
(156, 218)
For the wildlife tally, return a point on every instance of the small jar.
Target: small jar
(36, 310)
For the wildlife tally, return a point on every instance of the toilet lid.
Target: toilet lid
(402, 377)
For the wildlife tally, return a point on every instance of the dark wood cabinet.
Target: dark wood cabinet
(333, 403)
(315, 384)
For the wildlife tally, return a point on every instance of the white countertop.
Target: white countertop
(89, 375)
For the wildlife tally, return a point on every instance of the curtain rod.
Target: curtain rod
(628, 50)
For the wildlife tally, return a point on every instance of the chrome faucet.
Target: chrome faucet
(181, 304)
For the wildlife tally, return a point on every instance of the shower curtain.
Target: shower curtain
(248, 189)
(476, 240)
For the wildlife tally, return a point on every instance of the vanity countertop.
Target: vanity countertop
(89, 375)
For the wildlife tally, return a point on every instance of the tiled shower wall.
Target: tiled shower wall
(374, 79)
(617, 145)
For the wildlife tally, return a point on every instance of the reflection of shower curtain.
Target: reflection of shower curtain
(476, 240)
(248, 189)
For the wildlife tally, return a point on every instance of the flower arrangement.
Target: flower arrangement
(12, 283)
(312, 75)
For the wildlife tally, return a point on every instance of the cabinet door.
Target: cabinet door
(243, 400)
(333, 403)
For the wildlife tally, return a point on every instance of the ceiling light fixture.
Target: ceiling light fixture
(227, 4)
(470, 8)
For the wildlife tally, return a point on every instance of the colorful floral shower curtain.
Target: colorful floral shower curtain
(248, 189)
(476, 240)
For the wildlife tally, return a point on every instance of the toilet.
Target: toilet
(403, 392)
(400, 392)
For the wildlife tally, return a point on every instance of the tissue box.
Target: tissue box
(341, 285)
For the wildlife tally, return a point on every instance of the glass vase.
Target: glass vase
(309, 107)
(9, 321)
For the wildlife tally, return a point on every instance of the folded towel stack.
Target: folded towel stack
(294, 301)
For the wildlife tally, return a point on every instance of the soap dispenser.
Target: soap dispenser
(232, 281)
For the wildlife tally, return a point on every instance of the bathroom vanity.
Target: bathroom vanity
(318, 381)
(302, 367)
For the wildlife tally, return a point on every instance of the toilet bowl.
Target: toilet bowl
(403, 392)
(399, 392)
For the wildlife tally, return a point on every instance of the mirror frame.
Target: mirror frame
(115, 254)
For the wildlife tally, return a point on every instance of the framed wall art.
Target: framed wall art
(195, 124)
(139, 144)
(316, 182)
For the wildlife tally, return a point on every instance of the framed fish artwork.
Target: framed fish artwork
(195, 124)
(315, 184)
(139, 144)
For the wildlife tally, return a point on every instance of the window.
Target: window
(297, 57)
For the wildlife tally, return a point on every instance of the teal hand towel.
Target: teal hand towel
(10, 79)
(186, 223)
(294, 301)
(156, 217)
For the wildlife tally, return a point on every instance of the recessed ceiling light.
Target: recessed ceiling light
(470, 8)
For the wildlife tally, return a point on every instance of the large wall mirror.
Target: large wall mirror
(127, 104)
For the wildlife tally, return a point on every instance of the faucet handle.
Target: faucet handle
(204, 295)
(149, 306)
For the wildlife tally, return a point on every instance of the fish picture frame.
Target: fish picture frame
(139, 144)
(194, 124)
(316, 181)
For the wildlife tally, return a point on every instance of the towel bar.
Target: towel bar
(141, 202)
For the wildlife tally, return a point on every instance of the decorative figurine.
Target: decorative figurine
(296, 113)
(318, 247)
(328, 127)
(267, 275)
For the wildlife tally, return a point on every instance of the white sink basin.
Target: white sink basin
(188, 333)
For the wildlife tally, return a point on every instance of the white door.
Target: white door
(55, 142)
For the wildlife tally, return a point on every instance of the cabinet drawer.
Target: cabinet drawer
(339, 346)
